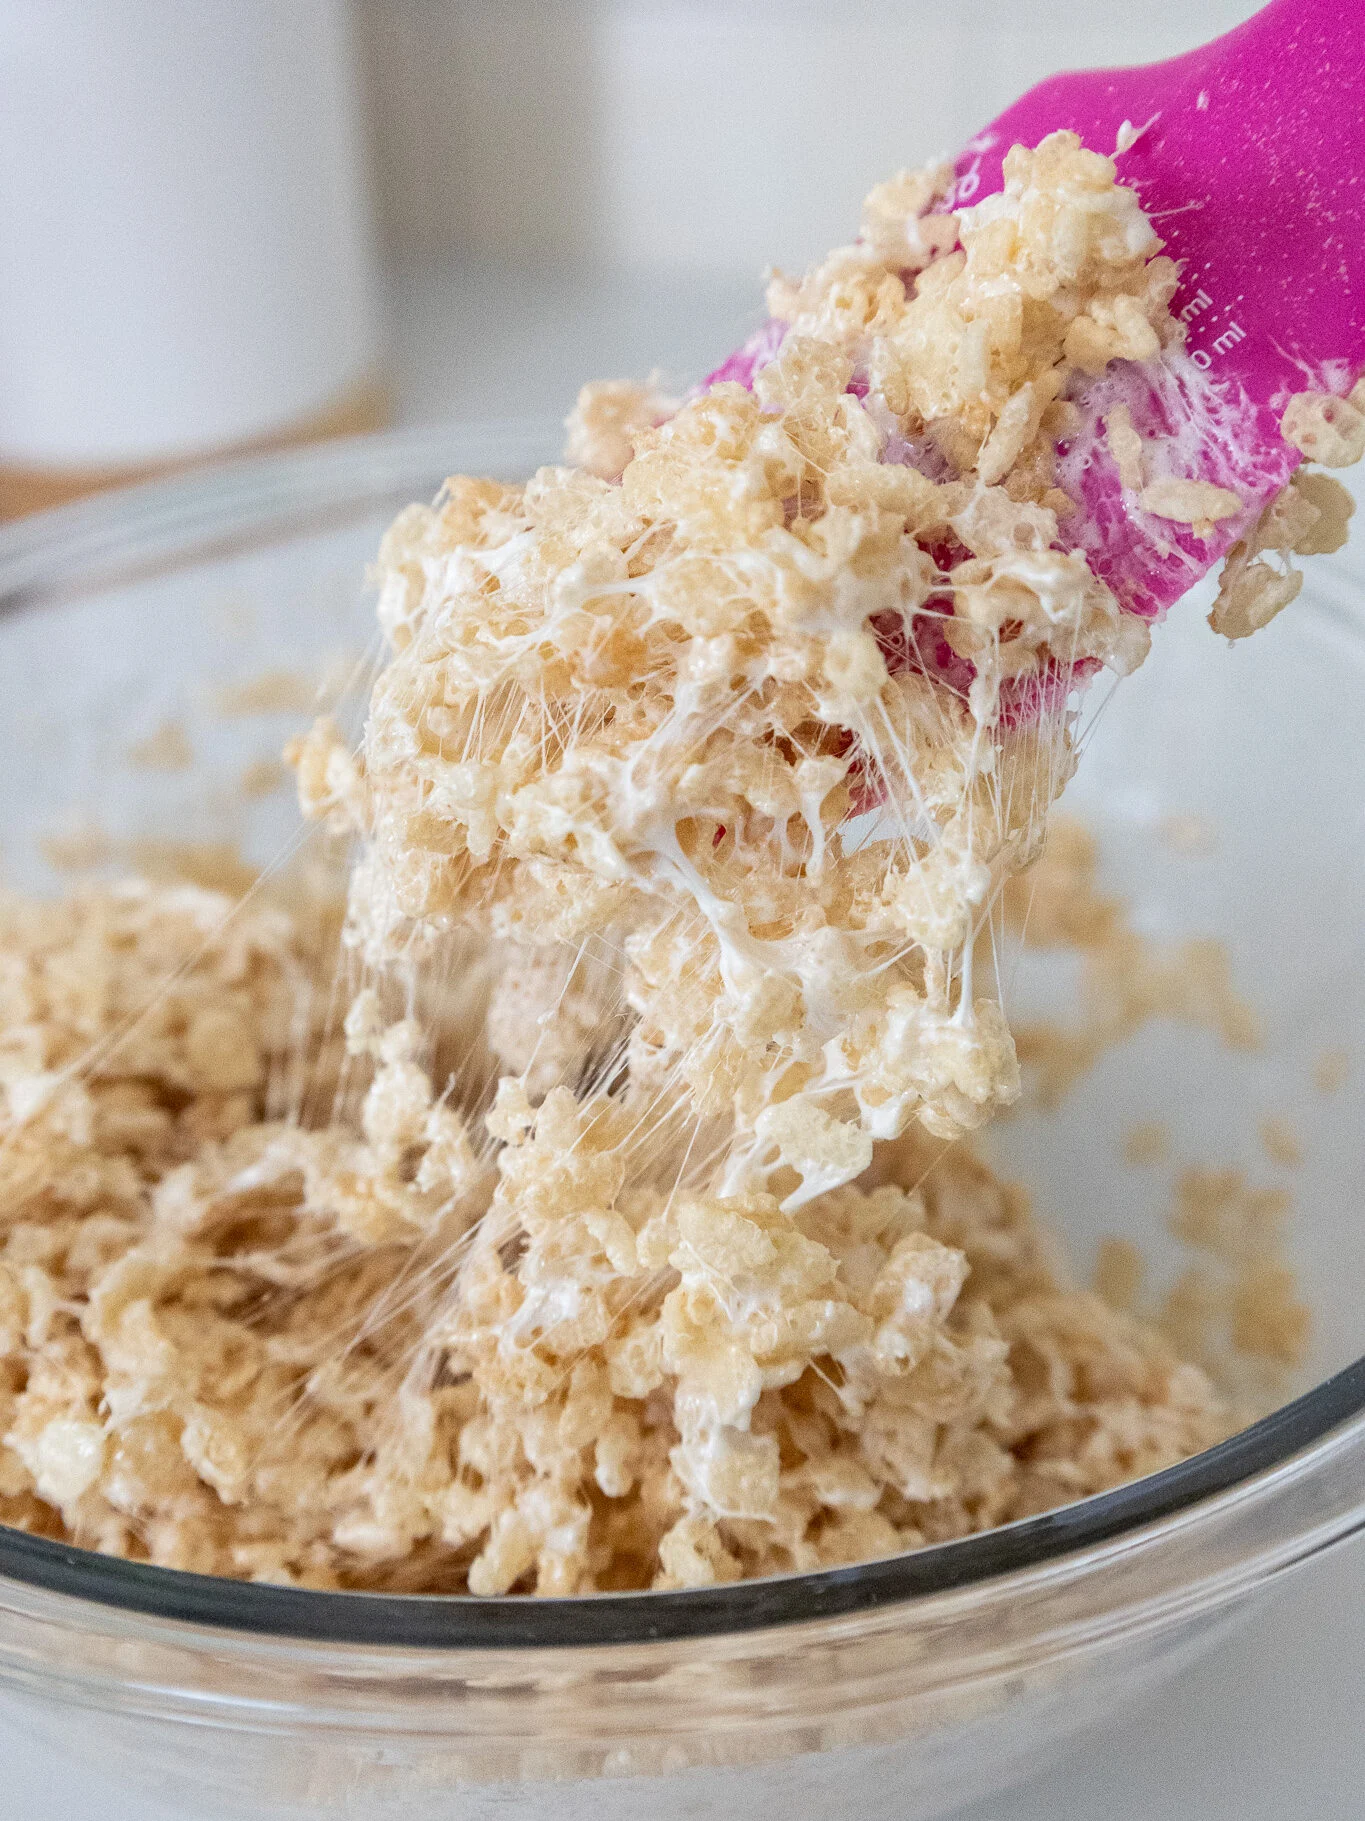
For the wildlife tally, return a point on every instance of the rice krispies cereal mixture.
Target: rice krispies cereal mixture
(600, 1221)
(390, 1351)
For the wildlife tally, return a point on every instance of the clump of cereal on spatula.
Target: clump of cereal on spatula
(733, 731)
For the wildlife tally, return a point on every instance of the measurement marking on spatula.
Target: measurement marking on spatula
(1197, 305)
(1223, 343)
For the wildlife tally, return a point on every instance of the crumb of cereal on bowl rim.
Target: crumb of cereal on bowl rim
(1221, 1214)
(1146, 1143)
(1193, 1316)
(214, 866)
(263, 777)
(1128, 979)
(268, 693)
(80, 848)
(168, 748)
(1280, 1142)
(1269, 1320)
(1119, 1272)
(1238, 1311)
(1057, 901)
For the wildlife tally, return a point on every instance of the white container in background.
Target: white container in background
(185, 257)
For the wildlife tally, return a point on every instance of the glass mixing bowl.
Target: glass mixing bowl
(897, 1688)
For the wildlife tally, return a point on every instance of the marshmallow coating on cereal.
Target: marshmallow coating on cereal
(766, 697)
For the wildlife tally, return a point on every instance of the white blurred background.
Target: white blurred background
(579, 188)
(226, 222)
(708, 136)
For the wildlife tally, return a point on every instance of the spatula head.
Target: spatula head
(1248, 156)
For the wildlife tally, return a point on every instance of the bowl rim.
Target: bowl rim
(181, 519)
(462, 1621)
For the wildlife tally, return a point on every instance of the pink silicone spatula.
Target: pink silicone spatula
(1249, 157)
